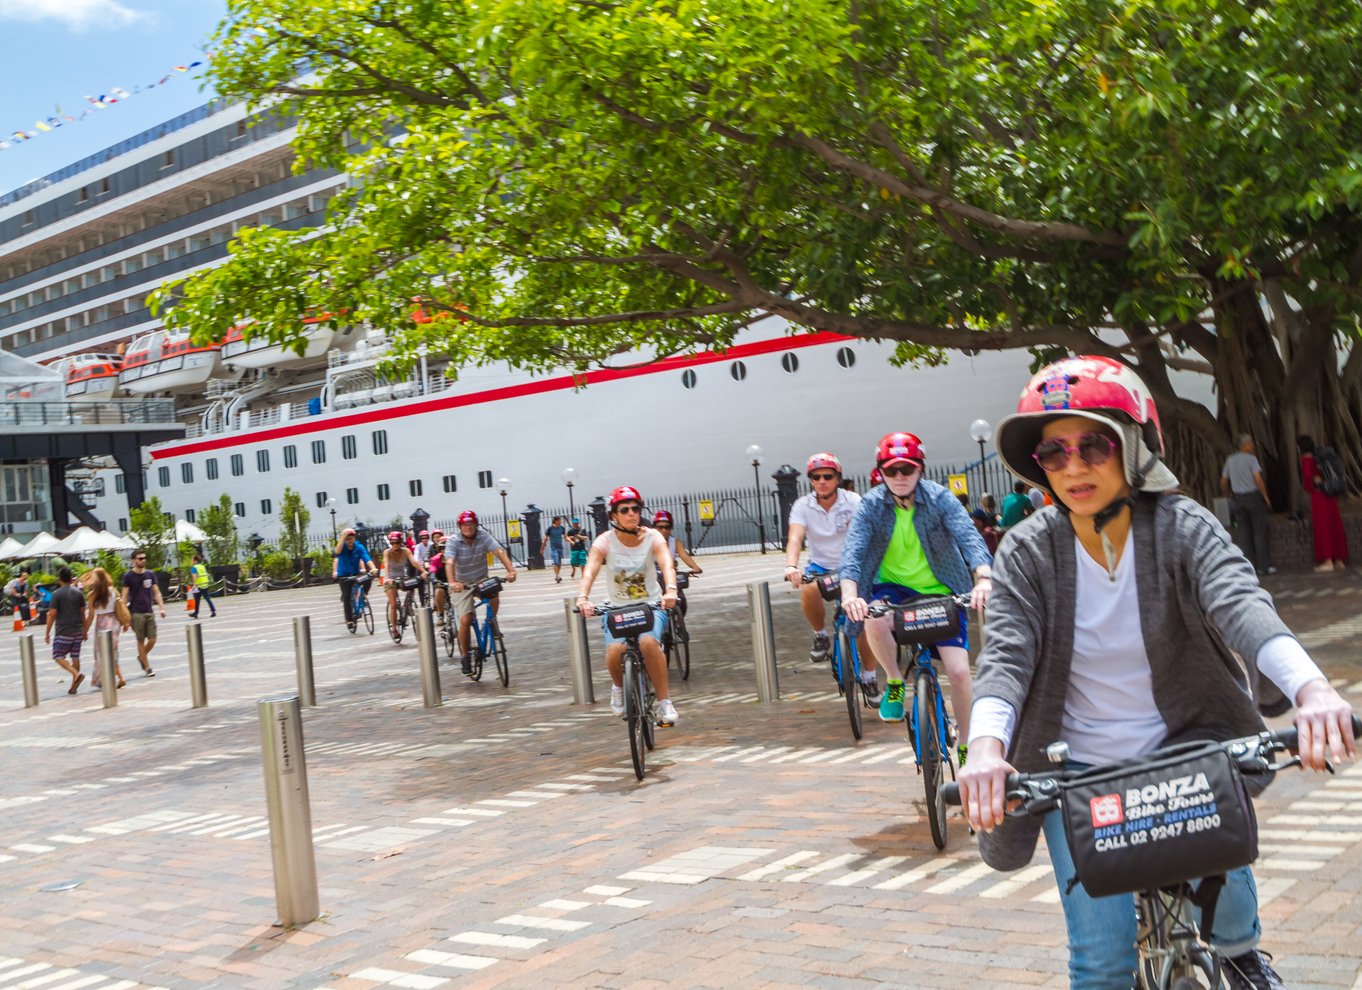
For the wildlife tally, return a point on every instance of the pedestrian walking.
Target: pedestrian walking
(142, 594)
(577, 542)
(200, 579)
(68, 626)
(102, 602)
(1326, 519)
(553, 542)
(1242, 480)
(1016, 506)
(18, 591)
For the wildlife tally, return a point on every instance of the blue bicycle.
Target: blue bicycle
(846, 656)
(917, 626)
(360, 609)
(487, 639)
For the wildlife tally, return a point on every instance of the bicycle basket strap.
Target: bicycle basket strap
(487, 588)
(829, 587)
(630, 620)
(1178, 817)
(926, 620)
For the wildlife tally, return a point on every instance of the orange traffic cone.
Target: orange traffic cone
(189, 599)
(18, 621)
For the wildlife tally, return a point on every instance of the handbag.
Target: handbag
(1147, 823)
(121, 613)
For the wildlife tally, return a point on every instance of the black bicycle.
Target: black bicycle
(413, 592)
(1154, 827)
(675, 637)
(629, 622)
(360, 609)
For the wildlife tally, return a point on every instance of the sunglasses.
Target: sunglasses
(899, 470)
(663, 526)
(632, 509)
(823, 476)
(1094, 448)
(136, 559)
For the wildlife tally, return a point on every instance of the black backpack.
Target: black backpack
(1332, 479)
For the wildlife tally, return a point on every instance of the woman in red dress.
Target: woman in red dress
(1331, 543)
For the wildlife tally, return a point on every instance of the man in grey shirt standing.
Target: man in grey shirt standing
(1242, 481)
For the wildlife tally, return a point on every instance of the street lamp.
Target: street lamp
(982, 433)
(504, 488)
(570, 479)
(754, 453)
(331, 504)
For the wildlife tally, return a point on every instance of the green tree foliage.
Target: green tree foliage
(293, 519)
(1175, 183)
(154, 531)
(219, 523)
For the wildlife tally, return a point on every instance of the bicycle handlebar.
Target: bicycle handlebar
(602, 608)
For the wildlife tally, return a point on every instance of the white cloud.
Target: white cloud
(79, 15)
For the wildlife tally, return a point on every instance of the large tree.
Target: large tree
(1175, 183)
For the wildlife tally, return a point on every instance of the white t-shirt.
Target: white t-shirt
(825, 530)
(631, 572)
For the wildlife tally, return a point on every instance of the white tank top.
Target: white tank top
(631, 572)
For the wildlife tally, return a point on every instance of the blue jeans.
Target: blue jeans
(1102, 954)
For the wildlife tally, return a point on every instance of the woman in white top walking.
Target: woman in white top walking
(100, 598)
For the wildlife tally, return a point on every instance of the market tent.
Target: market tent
(119, 542)
(188, 531)
(44, 544)
(86, 540)
(11, 549)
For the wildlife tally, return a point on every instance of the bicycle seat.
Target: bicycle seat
(926, 620)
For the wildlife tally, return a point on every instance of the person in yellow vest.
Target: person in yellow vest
(201, 579)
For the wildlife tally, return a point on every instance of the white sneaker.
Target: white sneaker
(617, 700)
(666, 713)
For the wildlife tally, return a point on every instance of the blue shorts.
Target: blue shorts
(897, 594)
(555, 555)
(659, 623)
(816, 570)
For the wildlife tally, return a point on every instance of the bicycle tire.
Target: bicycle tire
(681, 643)
(851, 690)
(475, 659)
(633, 715)
(368, 616)
(645, 691)
(449, 633)
(499, 653)
(930, 756)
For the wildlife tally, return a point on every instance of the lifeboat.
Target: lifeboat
(92, 377)
(162, 361)
(261, 352)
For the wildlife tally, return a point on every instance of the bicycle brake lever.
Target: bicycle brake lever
(1295, 761)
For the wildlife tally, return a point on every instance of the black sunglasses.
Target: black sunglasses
(899, 470)
(822, 476)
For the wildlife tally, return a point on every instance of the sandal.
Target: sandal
(121, 683)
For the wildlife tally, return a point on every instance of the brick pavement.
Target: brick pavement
(502, 841)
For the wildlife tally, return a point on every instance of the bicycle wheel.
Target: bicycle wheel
(634, 716)
(499, 653)
(395, 625)
(930, 757)
(680, 643)
(851, 690)
(476, 658)
(368, 616)
(449, 633)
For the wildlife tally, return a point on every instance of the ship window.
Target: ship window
(163, 477)
(846, 357)
(451, 483)
(120, 484)
(688, 378)
(104, 185)
(348, 450)
(321, 500)
(210, 468)
(383, 493)
(122, 525)
(84, 195)
(380, 441)
(238, 466)
(240, 509)
(189, 515)
(290, 456)
(415, 487)
(265, 507)
(790, 362)
(352, 496)
(738, 370)
(484, 479)
(187, 474)
(318, 451)
(169, 159)
(262, 461)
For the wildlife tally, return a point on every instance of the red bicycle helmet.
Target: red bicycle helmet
(823, 460)
(394, 537)
(894, 447)
(424, 532)
(468, 515)
(623, 493)
(663, 516)
(875, 477)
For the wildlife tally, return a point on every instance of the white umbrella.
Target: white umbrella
(41, 545)
(86, 540)
(11, 549)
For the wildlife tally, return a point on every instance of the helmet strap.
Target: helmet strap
(1100, 520)
(622, 529)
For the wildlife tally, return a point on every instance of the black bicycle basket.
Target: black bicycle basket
(1183, 815)
(630, 620)
(830, 587)
(411, 582)
(487, 588)
(682, 581)
(926, 620)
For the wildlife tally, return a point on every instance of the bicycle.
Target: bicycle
(415, 592)
(675, 636)
(918, 625)
(846, 655)
(360, 609)
(487, 639)
(1172, 953)
(629, 622)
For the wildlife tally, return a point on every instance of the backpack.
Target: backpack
(1332, 479)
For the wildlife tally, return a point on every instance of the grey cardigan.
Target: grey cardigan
(1199, 599)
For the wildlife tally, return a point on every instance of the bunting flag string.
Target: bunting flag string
(115, 94)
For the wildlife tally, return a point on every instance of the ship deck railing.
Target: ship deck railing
(112, 412)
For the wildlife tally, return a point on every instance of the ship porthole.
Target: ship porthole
(846, 357)
(738, 370)
(790, 362)
(688, 378)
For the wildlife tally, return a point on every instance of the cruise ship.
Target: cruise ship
(81, 249)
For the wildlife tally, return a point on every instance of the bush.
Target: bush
(113, 563)
(277, 566)
(321, 564)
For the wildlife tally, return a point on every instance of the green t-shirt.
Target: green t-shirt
(905, 562)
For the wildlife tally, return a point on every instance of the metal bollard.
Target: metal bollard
(763, 641)
(198, 683)
(30, 670)
(425, 647)
(109, 687)
(290, 810)
(302, 658)
(579, 656)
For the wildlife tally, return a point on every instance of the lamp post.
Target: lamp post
(331, 504)
(504, 489)
(570, 479)
(982, 433)
(754, 453)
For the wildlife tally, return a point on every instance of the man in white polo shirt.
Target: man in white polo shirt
(821, 518)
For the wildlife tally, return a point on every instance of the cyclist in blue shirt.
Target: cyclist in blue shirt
(350, 559)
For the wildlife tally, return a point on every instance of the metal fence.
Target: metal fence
(114, 412)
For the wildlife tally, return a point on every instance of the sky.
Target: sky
(58, 52)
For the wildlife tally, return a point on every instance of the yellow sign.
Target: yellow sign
(706, 510)
(512, 530)
(959, 484)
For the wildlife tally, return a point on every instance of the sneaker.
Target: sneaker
(822, 646)
(617, 700)
(1251, 971)
(150, 672)
(666, 712)
(465, 664)
(871, 689)
(891, 705)
(960, 753)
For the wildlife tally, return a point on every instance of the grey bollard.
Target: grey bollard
(198, 682)
(763, 641)
(30, 670)
(302, 657)
(425, 647)
(579, 656)
(109, 687)
(290, 810)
